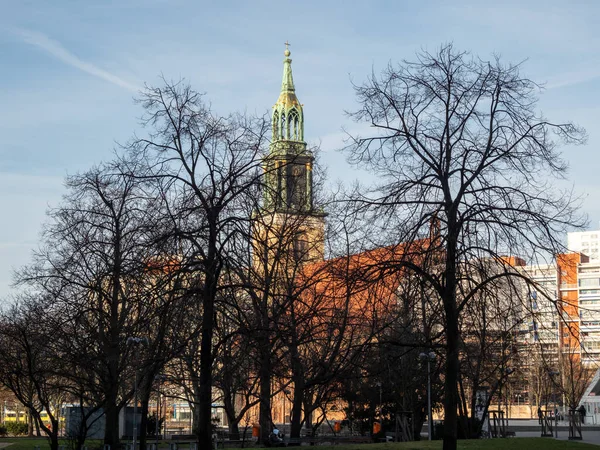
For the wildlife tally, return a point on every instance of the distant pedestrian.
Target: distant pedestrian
(540, 414)
(582, 411)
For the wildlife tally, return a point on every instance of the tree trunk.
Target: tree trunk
(299, 389)
(111, 429)
(296, 412)
(143, 427)
(232, 419)
(308, 413)
(37, 427)
(265, 392)
(53, 436)
(204, 430)
(452, 340)
(209, 292)
(234, 430)
(29, 423)
(52, 432)
(79, 441)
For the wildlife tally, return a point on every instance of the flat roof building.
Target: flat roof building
(586, 242)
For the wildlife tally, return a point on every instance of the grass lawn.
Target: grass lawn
(475, 444)
(26, 443)
(23, 443)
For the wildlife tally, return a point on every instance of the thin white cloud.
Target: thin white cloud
(573, 78)
(54, 48)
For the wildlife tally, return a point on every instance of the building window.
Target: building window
(300, 248)
(589, 282)
(297, 186)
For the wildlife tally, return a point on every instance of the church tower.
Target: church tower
(288, 195)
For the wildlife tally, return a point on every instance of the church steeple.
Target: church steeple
(288, 165)
(288, 215)
(287, 84)
(288, 117)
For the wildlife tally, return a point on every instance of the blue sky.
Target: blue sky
(70, 70)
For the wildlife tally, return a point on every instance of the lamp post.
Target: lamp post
(135, 341)
(378, 384)
(286, 392)
(429, 357)
(157, 428)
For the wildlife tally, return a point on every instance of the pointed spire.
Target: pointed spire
(287, 97)
(287, 83)
(288, 117)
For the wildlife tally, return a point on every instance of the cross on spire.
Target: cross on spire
(287, 44)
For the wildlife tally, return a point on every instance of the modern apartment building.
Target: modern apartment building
(541, 325)
(565, 308)
(586, 242)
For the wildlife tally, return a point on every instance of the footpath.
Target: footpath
(531, 428)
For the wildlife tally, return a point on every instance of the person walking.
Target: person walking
(582, 411)
(540, 414)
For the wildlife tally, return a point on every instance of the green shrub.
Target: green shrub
(2, 431)
(17, 429)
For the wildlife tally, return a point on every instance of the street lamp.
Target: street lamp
(135, 341)
(518, 397)
(379, 385)
(429, 357)
(286, 392)
(159, 378)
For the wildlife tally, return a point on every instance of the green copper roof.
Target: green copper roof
(288, 117)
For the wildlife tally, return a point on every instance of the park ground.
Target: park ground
(483, 444)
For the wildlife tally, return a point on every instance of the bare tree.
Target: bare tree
(205, 165)
(28, 366)
(91, 271)
(457, 142)
(574, 377)
(165, 314)
(235, 368)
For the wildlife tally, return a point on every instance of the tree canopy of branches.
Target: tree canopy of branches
(460, 149)
(91, 276)
(28, 365)
(203, 166)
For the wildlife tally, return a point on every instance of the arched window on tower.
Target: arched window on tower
(300, 248)
(275, 125)
(296, 186)
(282, 128)
(293, 124)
